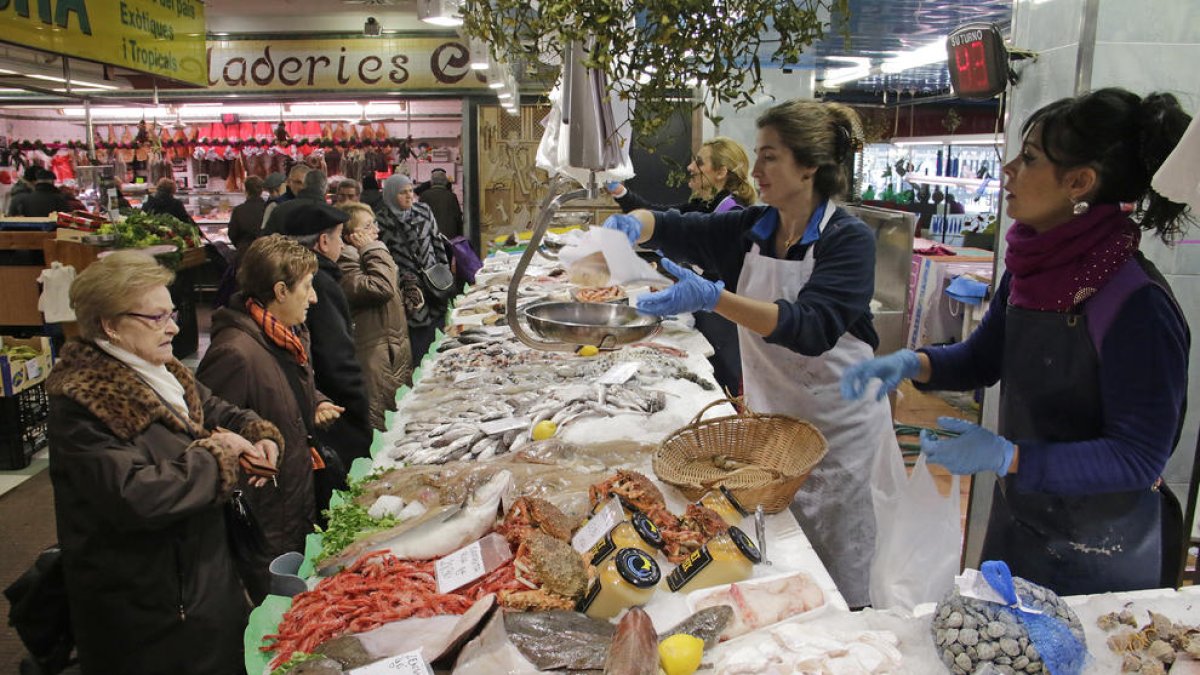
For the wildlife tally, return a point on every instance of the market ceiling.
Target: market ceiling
(878, 30)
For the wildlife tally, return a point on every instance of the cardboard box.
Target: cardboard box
(19, 375)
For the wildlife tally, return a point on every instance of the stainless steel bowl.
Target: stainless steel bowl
(602, 324)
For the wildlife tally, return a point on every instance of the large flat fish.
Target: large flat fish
(560, 639)
(434, 534)
(634, 648)
(707, 624)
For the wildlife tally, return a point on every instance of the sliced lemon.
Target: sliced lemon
(680, 654)
(544, 429)
(588, 350)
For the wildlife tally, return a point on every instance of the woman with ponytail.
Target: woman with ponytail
(1091, 351)
(804, 272)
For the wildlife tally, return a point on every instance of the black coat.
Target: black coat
(338, 373)
(139, 503)
(44, 199)
(245, 369)
(446, 210)
(165, 203)
(245, 223)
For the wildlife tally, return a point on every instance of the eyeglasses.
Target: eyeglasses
(157, 320)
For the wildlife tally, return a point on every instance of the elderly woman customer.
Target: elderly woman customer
(369, 278)
(142, 460)
(260, 359)
(411, 234)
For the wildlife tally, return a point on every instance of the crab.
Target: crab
(553, 571)
(531, 514)
(631, 486)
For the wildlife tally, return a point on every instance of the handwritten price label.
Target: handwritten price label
(599, 525)
(460, 568)
(409, 663)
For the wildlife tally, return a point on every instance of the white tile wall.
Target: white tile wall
(1157, 21)
(1144, 67)
(1045, 24)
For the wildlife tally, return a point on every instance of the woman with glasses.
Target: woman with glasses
(369, 278)
(260, 358)
(142, 460)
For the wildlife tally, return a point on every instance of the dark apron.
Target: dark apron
(1071, 544)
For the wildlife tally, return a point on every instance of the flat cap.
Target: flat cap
(313, 219)
(274, 180)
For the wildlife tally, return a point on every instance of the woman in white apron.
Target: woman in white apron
(804, 270)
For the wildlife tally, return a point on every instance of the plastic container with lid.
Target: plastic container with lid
(725, 505)
(638, 532)
(624, 580)
(726, 558)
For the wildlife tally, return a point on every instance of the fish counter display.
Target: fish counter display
(510, 521)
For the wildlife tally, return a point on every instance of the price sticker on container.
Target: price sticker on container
(620, 373)
(460, 568)
(608, 517)
(409, 663)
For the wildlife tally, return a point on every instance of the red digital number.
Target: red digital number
(979, 66)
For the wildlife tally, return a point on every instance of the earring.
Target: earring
(1079, 207)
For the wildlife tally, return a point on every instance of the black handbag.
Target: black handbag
(245, 534)
(439, 281)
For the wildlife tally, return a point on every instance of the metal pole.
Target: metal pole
(1085, 56)
(89, 132)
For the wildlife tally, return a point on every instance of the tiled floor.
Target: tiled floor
(11, 479)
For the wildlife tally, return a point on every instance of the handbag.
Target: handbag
(246, 537)
(466, 261)
(439, 281)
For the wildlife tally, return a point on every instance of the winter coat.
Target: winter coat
(39, 203)
(163, 202)
(139, 499)
(380, 325)
(246, 369)
(338, 373)
(446, 209)
(245, 223)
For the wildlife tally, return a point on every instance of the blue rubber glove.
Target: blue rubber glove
(612, 186)
(889, 370)
(974, 450)
(627, 224)
(691, 293)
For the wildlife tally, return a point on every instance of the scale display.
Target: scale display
(978, 61)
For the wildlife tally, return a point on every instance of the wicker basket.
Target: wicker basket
(762, 458)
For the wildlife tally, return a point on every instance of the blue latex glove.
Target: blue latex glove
(612, 185)
(889, 370)
(974, 450)
(691, 293)
(627, 224)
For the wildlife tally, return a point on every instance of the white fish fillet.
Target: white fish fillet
(471, 523)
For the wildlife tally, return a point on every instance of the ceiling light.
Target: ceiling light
(52, 78)
(503, 95)
(835, 77)
(934, 52)
(498, 84)
(440, 12)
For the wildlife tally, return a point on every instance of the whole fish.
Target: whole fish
(560, 639)
(634, 648)
(707, 624)
(438, 532)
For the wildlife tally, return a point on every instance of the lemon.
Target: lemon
(588, 350)
(680, 654)
(544, 429)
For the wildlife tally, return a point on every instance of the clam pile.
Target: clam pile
(970, 634)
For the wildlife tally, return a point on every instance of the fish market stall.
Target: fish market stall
(561, 443)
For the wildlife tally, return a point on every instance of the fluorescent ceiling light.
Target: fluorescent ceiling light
(934, 52)
(384, 108)
(51, 78)
(440, 12)
(498, 84)
(503, 95)
(840, 76)
(318, 110)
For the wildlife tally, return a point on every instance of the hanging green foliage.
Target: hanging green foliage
(657, 52)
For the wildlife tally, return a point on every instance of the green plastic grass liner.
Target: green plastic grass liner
(264, 620)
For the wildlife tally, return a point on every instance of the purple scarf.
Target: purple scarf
(1057, 270)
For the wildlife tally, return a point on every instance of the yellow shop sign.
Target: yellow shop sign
(160, 37)
(363, 64)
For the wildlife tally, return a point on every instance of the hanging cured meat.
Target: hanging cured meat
(368, 134)
(381, 132)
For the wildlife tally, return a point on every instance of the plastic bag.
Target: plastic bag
(918, 541)
(602, 257)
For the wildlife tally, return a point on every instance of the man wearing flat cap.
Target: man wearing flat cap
(339, 375)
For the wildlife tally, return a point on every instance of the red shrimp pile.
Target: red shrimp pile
(376, 590)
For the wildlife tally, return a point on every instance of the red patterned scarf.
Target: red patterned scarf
(1057, 270)
(276, 332)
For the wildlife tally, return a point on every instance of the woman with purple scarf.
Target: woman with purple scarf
(1091, 351)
